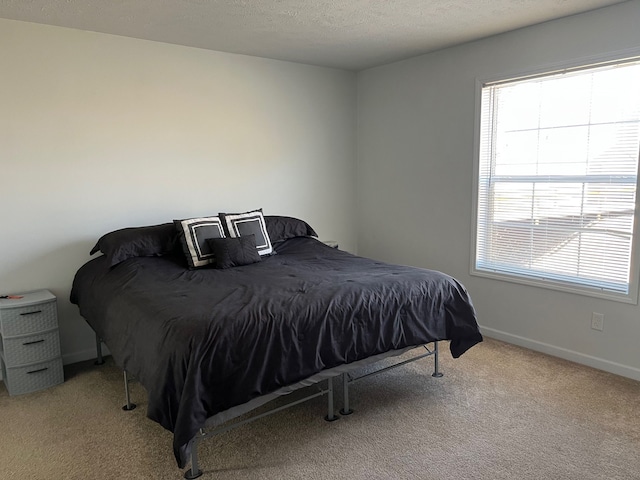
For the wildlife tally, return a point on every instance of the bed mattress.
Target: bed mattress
(204, 341)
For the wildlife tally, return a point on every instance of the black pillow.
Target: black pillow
(130, 242)
(234, 251)
(282, 228)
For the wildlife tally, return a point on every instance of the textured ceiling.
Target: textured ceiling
(349, 34)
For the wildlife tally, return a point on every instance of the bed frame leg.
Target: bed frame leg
(331, 417)
(436, 369)
(129, 406)
(194, 471)
(345, 410)
(99, 360)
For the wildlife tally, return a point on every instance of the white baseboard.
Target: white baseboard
(81, 356)
(595, 362)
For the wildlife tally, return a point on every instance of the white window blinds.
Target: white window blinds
(558, 163)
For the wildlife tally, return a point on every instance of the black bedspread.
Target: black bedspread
(202, 341)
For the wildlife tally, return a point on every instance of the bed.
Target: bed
(209, 344)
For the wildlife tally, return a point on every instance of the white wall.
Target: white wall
(415, 168)
(100, 132)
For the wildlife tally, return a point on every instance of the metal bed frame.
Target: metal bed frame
(347, 379)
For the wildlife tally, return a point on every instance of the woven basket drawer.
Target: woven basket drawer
(29, 319)
(31, 349)
(32, 378)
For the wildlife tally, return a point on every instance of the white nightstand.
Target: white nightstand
(29, 342)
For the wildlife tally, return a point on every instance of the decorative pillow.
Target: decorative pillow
(193, 234)
(234, 252)
(136, 242)
(249, 223)
(283, 228)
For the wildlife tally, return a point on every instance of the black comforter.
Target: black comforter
(202, 341)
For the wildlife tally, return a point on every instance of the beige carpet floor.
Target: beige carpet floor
(500, 412)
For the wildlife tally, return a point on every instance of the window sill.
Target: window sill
(630, 298)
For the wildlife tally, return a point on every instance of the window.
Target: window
(556, 179)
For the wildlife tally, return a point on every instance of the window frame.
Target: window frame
(541, 71)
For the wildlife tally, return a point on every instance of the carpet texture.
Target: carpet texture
(500, 412)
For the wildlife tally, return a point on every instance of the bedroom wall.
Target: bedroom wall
(100, 132)
(415, 171)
